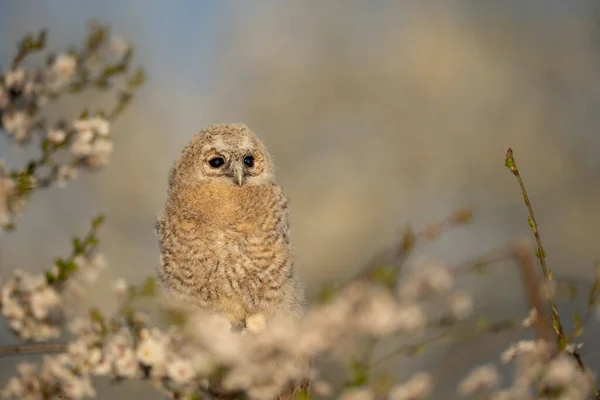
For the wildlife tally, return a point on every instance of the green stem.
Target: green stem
(562, 340)
(541, 254)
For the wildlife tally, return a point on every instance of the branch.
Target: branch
(531, 286)
(35, 348)
(562, 340)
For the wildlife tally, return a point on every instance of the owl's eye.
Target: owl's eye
(216, 162)
(249, 161)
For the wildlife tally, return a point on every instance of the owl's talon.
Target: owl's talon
(256, 323)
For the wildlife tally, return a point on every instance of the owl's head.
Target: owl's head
(229, 154)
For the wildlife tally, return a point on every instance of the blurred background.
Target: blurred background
(377, 114)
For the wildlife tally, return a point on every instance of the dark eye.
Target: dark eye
(216, 162)
(249, 161)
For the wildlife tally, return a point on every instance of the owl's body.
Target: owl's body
(224, 233)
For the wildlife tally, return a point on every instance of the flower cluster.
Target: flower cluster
(26, 90)
(32, 307)
(187, 359)
(204, 355)
(539, 370)
(34, 304)
(91, 143)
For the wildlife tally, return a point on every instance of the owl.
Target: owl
(224, 231)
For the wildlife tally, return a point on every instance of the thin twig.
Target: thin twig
(531, 286)
(409, 349)
(397, 254)
(541, 254)
(562, 340)
(32, 349)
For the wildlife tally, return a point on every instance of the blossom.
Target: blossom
(380, 315)
(118, 46)
(417, 387)
(151, 350)
(15, 123)
(126, 364)
(100, 152)
(82, 145)
(65, 173)
(461, 305)
(427, 277)
(322, 388)
(27, 304)
(361, 393)
(14, 78)
(528, 348)
(56, 136)
(561, 371)
(100, 125)
(64, 66)
(120, 287)
(181, 371)
(481, 378)
(43, 301)
(411, 317)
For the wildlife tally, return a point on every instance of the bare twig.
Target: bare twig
(531, 286)
(395, 256)
(36, 348)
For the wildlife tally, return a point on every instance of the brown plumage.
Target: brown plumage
(223, 231)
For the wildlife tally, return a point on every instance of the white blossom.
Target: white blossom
(381, 314)
(100, 125)
(43, 301)
(461, 305)
(529, 348)
(181, 371)
(65, 173)
(362, 393)
(561, 371)
(411, 317)
(152, 348)
(126, 364)
(120, 287)
(16, 123)
(100, 152)
(118, 46)
(84, 127)
(481, 378)
(419, 386)
(14, 78)
(64, 66)
(426, 277)
(81, 146)
(322, 388)
(56, 136)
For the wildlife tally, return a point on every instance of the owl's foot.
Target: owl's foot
(256, 323)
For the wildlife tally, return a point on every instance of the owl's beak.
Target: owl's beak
(237, 171)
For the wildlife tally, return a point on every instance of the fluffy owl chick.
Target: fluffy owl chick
(223, 231)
